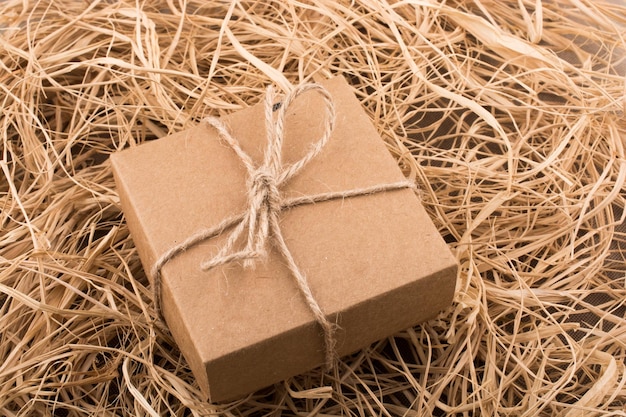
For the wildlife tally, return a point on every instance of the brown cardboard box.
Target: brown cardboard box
(375, 264)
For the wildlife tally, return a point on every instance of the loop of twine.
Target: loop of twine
(265, 203)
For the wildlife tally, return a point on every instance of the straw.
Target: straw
(508, 114)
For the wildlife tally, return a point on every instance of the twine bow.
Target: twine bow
(261, 220)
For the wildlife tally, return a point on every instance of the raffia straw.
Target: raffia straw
(509, 114)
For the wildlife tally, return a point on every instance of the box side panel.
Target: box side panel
(301, 349)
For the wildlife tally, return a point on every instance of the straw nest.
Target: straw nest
(509, 115)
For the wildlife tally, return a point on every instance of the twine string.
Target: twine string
(261, 220)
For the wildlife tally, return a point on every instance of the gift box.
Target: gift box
(347, 223)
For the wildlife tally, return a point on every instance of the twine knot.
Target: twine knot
(264, 207)
(263, 188)
(260, 220)
(263, 180)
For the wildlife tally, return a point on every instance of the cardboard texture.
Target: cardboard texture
(376, 264)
